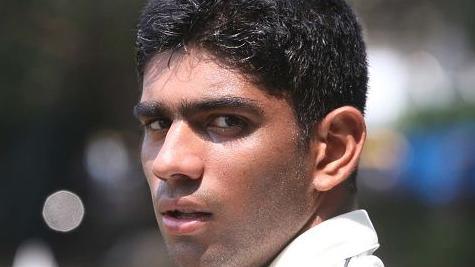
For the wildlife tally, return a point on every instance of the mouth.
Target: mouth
(187, 215)
(183, 217)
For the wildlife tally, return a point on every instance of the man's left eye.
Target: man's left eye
(227, 122)
(227, 125)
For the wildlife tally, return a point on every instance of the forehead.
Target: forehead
(193, 76)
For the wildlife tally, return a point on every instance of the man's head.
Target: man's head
(253, 122)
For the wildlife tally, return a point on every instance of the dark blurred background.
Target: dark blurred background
(68, 86)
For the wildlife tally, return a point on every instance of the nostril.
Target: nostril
(187, 166)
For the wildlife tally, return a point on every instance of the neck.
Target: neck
(332, 203)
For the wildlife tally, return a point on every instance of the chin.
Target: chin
(186, 254)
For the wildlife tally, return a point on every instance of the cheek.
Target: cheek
(256, 172)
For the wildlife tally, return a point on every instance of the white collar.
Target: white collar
(336, 239)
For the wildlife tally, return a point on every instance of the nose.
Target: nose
(180, 154)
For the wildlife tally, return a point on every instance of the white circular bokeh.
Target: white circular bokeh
(106, 158)
(63, 211)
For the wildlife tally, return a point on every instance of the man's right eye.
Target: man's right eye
(158, 125)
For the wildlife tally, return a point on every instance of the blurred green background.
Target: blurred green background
(68, 86)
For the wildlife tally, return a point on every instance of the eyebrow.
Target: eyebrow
(150, 109)
(153, 109)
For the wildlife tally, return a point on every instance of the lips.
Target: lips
(183, 216)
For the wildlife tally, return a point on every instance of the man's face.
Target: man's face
(229, 182)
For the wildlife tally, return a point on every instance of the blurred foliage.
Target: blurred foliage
(415, 234)
(416, 20)
(438, 117)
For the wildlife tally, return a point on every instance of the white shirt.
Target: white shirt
(347, 240)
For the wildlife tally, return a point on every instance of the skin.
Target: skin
(216, 140)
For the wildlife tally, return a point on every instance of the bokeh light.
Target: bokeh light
(387, 87)
(106, 159)
(63, 211)
(429, 81)
(34, 253)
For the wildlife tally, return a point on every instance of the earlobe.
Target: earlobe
(337, 145)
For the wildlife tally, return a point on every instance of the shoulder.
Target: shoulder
(348, 240)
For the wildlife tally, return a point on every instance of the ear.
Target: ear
(337, 144)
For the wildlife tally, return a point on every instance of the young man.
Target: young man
(253, 122)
